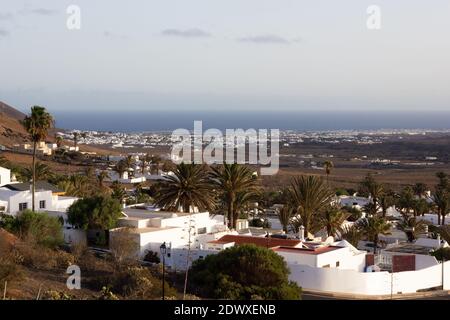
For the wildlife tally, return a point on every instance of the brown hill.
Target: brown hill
(11, 130)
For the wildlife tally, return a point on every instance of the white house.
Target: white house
(16, 197)
(182, 233)
(5, 176)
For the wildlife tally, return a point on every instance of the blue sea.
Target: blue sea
(138, 121)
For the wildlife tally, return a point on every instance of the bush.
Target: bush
(101, 213)
(244, 272)
(36, 227)
(134, 283)
(260, 223)
(152, 257)
(441, 253)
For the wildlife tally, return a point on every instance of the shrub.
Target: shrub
(243, 272)
(441, 253)
(101, 213)
(260, 223)
(36, 227)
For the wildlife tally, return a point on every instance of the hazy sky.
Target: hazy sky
(225, 54)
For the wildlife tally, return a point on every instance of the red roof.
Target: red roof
(259, 241)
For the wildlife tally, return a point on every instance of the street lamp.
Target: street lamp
(163, 250)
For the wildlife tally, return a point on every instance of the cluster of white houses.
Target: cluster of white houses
(316, 264)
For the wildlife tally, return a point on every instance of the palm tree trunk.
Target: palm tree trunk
(375, 244)
(33, 182)
(443, 219)
(439, 217)
(230, 212)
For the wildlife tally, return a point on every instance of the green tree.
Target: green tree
(309, 196)
(39, 228)
(42, 172)
(406, 200)
(96, 213)
(441, 197)
(285, 215)
(120, 168)
(332, 219)
(352, 234)
(244, 272)
(37, 124)
(412, 227)
(118, 192)
(420, 189)
(234, 183)
(372, 227)
(187, 188)
(370, 187)
(328, 166)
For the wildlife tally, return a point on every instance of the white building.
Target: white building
(16, 197)
(182, 233)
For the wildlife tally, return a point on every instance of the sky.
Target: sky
(251, 55)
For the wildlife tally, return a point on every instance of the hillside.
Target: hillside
(11, 131)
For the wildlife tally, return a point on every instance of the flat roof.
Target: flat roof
(313, 251)
(149, 229)
(410, 248)
(148, 214)
(259, 241)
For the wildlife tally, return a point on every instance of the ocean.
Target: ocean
(139, 121)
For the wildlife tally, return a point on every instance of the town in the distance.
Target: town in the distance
(350, 214)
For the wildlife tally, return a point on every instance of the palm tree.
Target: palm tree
(441, 199)
(37, 124)
(406, 200)
(4, 162)
(101, 177)
(412, 227)
(59, 141)
(420, 189)
(75, 139)
(386, 200)
(443, 231)
(309, 196)
(42, 172)
(120, 168)
(352, 234)
(372, 227)
(328, 165)
(371, 187)
(332, 219)
(145, 161)
(130, 161)
(285, 215)
(187, 188)
(155, 161)
(118, 191)
(76, 185)
(230, 181)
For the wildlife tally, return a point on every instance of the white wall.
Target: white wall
(5, 176)
(374, 283)
(25, 196)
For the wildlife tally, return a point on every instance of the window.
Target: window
(201, 230)
(2, 208)
(23, 206)
(337, 264)
(42, 204)
(326, 266)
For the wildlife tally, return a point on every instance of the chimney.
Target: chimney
(301, 233)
